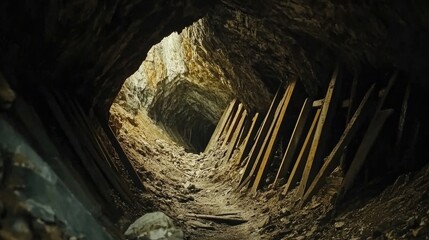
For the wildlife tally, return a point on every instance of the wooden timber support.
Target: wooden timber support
(298, 168)
(318, 144)
(363, 150)
(294, 141)
(235, 136)
(262, 132)
(246, 145)
(220, 127)
(233, 126)
(272, 137)
(333, 158)
(369, 138)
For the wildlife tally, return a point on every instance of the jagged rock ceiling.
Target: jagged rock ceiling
(91, 47)
(241, 48)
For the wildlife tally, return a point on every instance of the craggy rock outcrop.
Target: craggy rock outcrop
(280, 39)
(179, 82)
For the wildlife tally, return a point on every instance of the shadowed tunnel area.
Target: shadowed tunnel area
(214, 119)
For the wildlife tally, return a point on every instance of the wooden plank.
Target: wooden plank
(84, 130)
(92, 170)
(234, 138)
(294, 141)
(386, 91)
(333, 158)
(129, 168)
(401, 123)
(262, 131)
(259, 147)
(233, 125)
(273, 138)
(227, 125)
(220, 126)
(234, 220)
(352, 97)
(244, 131)
(318, 103)
(318, 145)
(297, 169)
(245, 146)
(364, 148)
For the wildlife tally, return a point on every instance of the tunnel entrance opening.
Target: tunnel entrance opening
(178, 90)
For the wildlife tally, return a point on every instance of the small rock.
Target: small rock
(339, 225)
(285, 211)
(418, 232)
(311, 232)
(21, 230)
(46, 232)
(266, 221)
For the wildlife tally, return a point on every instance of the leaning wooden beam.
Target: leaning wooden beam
(402, 116)
(352, 97)
(260, 136)
(233, 126)
(243, 132)
(294, 141)
(333, 158)
(376, 122)
(245, 146)
(220, 126)
(233, 220)
(272, 139)
(234, 138)
(89, 165)
(367, 142)
(297, 169)
(259, 147)
(318, 145)
(122, 155)
(227, 125)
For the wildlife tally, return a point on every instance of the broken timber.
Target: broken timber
(333, 158)
(317, 147)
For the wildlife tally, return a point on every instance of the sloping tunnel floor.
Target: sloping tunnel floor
(180, 183)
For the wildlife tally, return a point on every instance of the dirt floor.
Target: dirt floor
(181, 184)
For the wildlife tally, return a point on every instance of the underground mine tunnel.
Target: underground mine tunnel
(214, 120)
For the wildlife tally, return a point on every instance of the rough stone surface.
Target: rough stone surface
(154, 226)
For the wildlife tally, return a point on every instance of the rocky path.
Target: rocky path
(180, 183)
